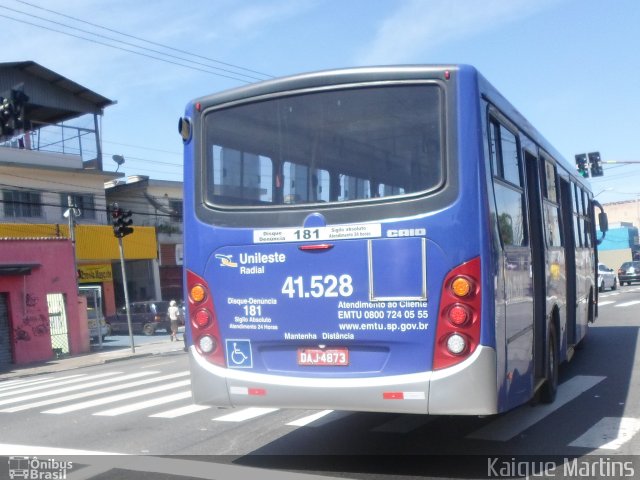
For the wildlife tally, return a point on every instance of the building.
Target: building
(621, 242)
(40, 312)
(158, 204)
(620, 245)
(52, 190)
(624, 212)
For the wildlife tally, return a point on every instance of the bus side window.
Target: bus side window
(576, 216)
(551, 206)
(507, 174)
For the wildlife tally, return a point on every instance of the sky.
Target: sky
(571, 67)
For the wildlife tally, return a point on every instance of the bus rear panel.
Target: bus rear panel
(332, 257)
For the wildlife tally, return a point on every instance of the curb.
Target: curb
(81, 361)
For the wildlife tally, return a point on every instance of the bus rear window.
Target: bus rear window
(326, 146)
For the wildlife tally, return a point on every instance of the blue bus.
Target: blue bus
(389, 239)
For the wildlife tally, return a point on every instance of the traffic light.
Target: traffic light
(581, 164)
(12, 110)
(121, 221)
(596, 165)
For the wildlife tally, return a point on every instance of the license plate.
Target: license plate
(323, 357)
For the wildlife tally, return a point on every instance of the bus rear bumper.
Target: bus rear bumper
(465, 389)
(469, 388)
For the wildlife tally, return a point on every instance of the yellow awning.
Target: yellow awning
(93, 242)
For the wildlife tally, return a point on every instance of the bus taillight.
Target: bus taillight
(458, 330)
(204, 324)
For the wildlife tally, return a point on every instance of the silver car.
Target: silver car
(606, 278)
(105, 329)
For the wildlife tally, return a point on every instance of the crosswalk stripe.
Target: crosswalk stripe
(92, 393)
(9, 384)
(116, 398)
(510, 425)
(608, 302)
(610, 433)
(57, 391)
(179, 412)
(134, 407)
(246, 414)
(64, 382)
(628, 304)
(304, 421)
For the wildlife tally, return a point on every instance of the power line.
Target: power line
(143, 148)
(127, 43)
(144, 40)
(121, 48)
(136, 199)
(60, 205)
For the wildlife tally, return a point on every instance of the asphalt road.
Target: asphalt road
(142, 407)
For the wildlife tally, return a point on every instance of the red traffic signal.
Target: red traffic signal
(121, 221)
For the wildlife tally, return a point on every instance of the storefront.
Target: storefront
(40, 314)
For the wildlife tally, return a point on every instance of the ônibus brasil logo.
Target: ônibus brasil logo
(36, 469)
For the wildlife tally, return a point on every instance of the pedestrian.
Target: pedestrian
(173, 312)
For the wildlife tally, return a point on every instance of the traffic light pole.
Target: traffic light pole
(126, 294)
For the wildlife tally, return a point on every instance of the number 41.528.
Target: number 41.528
(318, 286)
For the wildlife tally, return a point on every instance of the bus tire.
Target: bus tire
(549, 390)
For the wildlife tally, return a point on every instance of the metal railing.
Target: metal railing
(57, 138)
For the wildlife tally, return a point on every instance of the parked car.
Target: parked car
(94, 332)
(146, 317)
(629, 272)
(606, 278)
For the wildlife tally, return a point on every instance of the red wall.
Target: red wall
(27, 297)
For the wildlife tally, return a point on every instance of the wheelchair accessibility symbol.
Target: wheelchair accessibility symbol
(239, 354)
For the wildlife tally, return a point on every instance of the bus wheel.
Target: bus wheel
(149, 329)
(550, 388)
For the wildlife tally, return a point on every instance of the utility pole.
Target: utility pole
(126, 294)
(71, 213)
(121, 227)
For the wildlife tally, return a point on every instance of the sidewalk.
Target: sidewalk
(163, 346)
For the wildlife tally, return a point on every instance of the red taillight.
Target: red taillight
(458, 330)
(202, 318)
(204, 324)
(459, 314)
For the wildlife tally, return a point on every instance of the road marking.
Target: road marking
(404, 424)
(22, 382)
(134, 407)
(7, 450)
(517, 421)
(602, 304)
(610, 433)
(246, 414)
(92, 393)
(179, 412)
(301, 422)
(115, 398)
(628, 304)
(64, 382)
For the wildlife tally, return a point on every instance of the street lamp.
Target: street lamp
(608, 189)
